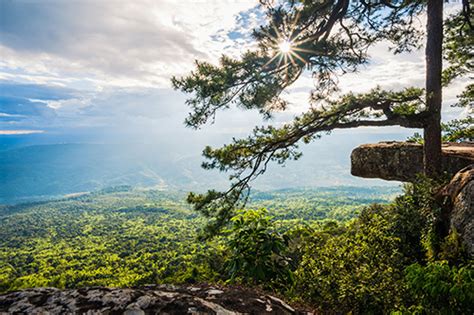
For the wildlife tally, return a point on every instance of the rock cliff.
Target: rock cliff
(458, 196)
(401, 161)
(156, 299)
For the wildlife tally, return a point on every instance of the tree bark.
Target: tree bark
(434, 66)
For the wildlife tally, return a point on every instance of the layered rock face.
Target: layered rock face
(159, 299)
(401, 161)
(460, 198)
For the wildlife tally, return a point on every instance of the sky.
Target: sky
(99, 71)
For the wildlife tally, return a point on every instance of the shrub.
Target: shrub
(441, 289)
(358, 271)
(256, 251)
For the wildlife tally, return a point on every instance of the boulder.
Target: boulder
(459, 196)
(401, 161)
(152, 299)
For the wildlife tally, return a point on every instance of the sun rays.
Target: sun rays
(287, 48)
(287, 53)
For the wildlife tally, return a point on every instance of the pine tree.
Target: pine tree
(329, 38)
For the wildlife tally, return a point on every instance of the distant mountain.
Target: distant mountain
(63, 169)
(42, 171)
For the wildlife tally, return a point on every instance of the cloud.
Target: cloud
(27, 104)
(11, 115)
(105, 66)
(19, 132)
(125, 43)
(108, 112)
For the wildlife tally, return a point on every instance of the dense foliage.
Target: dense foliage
(440, 288)
(331, 248)
(124, 237)
(257, 250)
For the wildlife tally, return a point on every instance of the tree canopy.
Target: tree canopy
(327, 38)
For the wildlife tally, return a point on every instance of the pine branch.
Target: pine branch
(248, 158)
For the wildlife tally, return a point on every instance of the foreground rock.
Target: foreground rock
(458, 196)
(162, 299)
(401, 161)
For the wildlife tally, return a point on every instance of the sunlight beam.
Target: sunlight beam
(285, 47)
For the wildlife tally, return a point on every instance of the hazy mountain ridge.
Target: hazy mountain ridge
(43, 171)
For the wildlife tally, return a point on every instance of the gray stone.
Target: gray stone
(134, 311)
(144, 301)
(283, 304)
(157, 299)
(402, 161)
(460, 195)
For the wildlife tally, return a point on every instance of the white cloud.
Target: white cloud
(118, 56)
(11, 115)
(19, 132)
(120, 43)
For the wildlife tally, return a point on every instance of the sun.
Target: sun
(285, 46)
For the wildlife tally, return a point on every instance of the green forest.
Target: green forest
(97, 94)
(344, 249)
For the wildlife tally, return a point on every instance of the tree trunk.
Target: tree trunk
(434, 65)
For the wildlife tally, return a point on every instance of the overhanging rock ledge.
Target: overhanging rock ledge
(402, 161)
